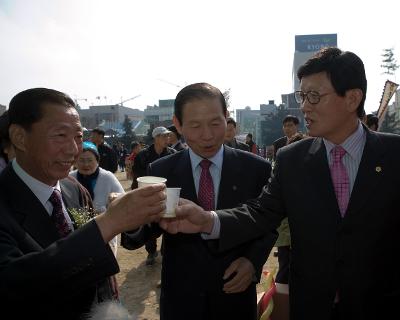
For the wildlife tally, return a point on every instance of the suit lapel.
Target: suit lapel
(184, 177)
(29, 211)
(229, 176)
(368, 174)
(318, 172)
(70, 194)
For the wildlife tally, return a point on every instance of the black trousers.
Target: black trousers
(151, 245)
(284, 265)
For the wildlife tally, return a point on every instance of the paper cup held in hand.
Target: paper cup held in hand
(172, 202)
(148, 180)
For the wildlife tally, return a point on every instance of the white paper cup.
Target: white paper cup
(172, 202)
(149, 180)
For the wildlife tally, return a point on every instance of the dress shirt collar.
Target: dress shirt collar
(217, 159)
(353, 144)
(41, 190)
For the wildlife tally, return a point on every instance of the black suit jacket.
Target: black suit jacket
(357, 255)
(41, 275)
(238, 145)
(192, 273)
(108, 158)
(179, 146)
(279, 143)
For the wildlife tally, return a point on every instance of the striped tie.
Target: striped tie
(340, 178)
(58, 215)
(206, 186)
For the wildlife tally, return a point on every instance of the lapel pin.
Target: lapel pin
(378, 169)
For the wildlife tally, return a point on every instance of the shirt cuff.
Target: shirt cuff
(215, 230)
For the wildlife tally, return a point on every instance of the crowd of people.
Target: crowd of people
(328, 203)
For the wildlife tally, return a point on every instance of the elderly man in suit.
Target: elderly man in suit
(339, 191)
(196, 283)
(50, 267)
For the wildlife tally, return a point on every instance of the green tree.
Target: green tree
(127, 125)
(390, 124)
(129, 135)
(389, 62)
(227, 96)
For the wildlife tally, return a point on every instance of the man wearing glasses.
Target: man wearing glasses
(340, 192)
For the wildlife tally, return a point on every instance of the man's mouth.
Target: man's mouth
(66, 163)
(308, 121)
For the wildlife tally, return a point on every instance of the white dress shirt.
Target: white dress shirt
(41, 190)
(215, 171)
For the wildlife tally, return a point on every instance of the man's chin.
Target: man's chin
(208, 152)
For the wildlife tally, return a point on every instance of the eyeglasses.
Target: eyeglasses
(313, 97)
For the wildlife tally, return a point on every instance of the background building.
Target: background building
(110, 117)
(305, 47)
(160, 115)
(246, 121)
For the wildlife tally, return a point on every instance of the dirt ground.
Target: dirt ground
(138, 282)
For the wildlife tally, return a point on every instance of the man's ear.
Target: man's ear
(17, 136)
(353, 99)
(177, 124)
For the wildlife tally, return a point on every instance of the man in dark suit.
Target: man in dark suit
(230, 135)
(175, 139)
(339, 191)
(290, 129)
(108, 156)
(50, 267)
(158, 149)
(195, 283)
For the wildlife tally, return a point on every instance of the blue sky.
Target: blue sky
(121, 49)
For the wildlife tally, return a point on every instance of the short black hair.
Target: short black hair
(197, 91)
(99, 131)
(344, 68)
(134, 144)
(26, 108)
(250, 135)
(291, 118)
(173, 129)
(230, 120)
(372, 120)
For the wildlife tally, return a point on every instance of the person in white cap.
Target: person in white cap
(157, 150)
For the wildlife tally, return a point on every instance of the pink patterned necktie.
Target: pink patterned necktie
(206, 186)
(58, 215)
(340, 178)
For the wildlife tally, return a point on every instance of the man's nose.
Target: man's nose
(207, 133)
(73, 147)
(305, 106)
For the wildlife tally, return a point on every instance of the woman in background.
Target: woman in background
(99, 182)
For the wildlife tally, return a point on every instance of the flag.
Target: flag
(388, 91)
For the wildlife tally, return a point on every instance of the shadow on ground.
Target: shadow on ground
(138, 284)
